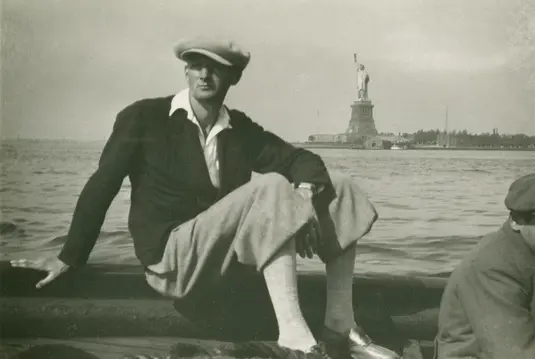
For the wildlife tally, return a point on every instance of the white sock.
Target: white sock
(281, 280)
(339, 315)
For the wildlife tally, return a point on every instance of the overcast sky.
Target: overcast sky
(69, 66)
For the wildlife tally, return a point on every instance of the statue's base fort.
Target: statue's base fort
(361, 125)
(361, 131)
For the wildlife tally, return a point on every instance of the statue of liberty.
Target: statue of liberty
(362, 80)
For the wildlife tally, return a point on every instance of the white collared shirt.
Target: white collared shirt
(209, 144)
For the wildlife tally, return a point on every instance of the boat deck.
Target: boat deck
(110, 310)
(117, 347)
(102, 348)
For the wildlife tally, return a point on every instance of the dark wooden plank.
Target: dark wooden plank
(116, 301)
(117, 347)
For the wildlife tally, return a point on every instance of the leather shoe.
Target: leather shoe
(318, 351)
(143, 356)
(355, 344)
(273, 350)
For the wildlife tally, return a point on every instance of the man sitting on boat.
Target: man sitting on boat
(195, 209)
(488, 307)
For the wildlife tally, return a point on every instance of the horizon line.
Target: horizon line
(10, 138)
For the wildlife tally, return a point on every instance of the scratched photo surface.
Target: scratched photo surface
(427, 105)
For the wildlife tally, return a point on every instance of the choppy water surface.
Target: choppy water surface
(433, 205)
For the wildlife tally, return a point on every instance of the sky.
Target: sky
(69, 66)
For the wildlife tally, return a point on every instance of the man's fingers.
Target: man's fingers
(27, 263)
(299, 246)
(309, 251)
(307, 241)
(18, 263)
(316, 230)
(305, 248)
(49, 278)
(309, 245)
(313, 238)
(54, 267)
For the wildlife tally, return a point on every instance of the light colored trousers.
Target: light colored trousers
(250, 225)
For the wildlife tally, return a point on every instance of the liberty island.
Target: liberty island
(361, 132)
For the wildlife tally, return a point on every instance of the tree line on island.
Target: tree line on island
(466, 139)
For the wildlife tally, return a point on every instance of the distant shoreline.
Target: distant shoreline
(323, 145)
(415, 148)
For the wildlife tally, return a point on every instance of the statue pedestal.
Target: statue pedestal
(362, 125)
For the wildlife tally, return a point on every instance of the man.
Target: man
(195, 210)
(488, 307)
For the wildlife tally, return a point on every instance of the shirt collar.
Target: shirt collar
(181, 101)
(510, 233)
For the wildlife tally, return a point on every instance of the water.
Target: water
(433, 205)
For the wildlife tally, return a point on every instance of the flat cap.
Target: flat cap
(521, 195)
(225, 52)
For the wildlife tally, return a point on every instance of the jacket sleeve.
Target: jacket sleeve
(269, 153)
(101, 188)
(496, 304)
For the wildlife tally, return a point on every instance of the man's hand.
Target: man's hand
(308, 239)
(53, 266)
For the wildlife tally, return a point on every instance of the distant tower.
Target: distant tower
(361, 125)
(444, 139)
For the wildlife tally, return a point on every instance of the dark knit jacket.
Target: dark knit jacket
(170, 183)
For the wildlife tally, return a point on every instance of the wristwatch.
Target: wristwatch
(308, 186)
